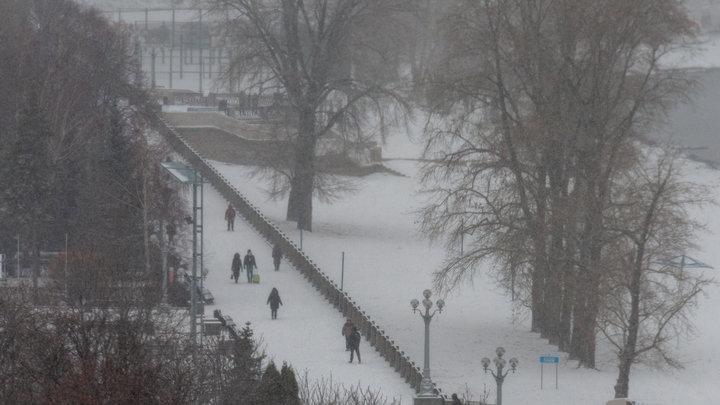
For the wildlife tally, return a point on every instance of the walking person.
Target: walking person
(355, 344)
(230, 217)
(274, 301)
(347, 331)
(236, 267)
(250, 265)
(277, 256)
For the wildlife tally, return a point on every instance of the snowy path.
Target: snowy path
(387, 264)
(307, 331)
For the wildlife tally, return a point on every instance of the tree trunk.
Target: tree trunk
(567, 298)
(553, 290)
(588, 291)
(587, 358)
(577, 336)
(536, 296)
(556, 256)
(301, 186)
(628, 355)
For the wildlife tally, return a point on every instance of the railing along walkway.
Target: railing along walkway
(372, 332)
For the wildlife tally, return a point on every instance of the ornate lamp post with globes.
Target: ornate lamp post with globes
(426, 386)
(499, 377)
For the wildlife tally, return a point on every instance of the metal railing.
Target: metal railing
(341, 300)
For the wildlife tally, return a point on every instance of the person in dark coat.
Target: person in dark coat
(230, 217)
(456, 400)
(250, 265)
(236, 267)
(277, 256)
(275, 302)
(355, 344)
(347, 331)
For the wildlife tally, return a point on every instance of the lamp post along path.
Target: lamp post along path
(426, 386)
(187, 175)
(500, 364)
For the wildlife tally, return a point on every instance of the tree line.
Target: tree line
(540, 160)
(78, 170)
(79, 177)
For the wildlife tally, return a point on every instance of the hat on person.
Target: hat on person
(349, 320)
(249, 251)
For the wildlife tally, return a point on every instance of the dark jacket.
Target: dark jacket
(274, 299)
(277, 252)
(249, 260)
(354, 339)
(236, 264)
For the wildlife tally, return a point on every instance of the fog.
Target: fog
(696, 126)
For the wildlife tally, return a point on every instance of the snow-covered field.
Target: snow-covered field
(387, 264)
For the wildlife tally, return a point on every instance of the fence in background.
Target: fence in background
(372, 332)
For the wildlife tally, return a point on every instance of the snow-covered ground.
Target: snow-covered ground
(387, 264)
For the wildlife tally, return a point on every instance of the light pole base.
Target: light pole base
(428, 400)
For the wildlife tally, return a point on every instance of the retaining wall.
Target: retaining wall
(372, 332)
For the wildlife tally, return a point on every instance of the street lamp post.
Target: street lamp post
(192, 176)
(426, 386)
(499, 377)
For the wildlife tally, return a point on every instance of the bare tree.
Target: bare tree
(536, 107)
(56, 354)
(330, 61)
(649, 298)
(325, 392)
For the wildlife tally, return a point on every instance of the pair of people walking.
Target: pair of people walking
(352, 339)
(248, 263)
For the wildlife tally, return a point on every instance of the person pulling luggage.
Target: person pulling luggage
(250, 265)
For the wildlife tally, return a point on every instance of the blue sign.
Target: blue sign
(548, 359)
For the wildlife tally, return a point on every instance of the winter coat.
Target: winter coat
(354, 339)
(274, 299)
(230, 214)
(347, 329)
(236, 264)
(249, 261)
(277, 252)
